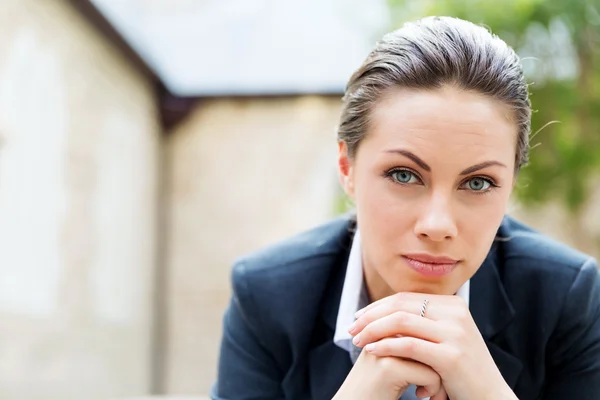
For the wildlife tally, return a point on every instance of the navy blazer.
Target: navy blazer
(536, 303)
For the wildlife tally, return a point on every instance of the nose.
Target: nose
(436, 221)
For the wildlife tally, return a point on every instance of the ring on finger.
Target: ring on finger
(424, 307)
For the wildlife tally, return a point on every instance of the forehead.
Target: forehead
(448, 120)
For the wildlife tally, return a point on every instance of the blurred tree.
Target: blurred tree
(559, 42)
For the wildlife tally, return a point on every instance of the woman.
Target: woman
(440, 290)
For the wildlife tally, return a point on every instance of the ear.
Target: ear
(346, 169)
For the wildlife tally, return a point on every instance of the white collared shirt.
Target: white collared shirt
(351, 292)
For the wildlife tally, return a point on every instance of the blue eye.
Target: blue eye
(478, 184)
(404, 176)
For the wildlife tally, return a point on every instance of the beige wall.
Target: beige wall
(77, 205)
(243, 173)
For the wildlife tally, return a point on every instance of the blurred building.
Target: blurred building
(144, 146)
(78, 205)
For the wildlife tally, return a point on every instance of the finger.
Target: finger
(422, 392)
(418, 374)
(403, 324)
(439, 307)
(425, 352)
(408, 303)
(402, 296)
(383, 310)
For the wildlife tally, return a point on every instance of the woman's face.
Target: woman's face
(430, 181)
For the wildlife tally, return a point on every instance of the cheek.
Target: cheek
(385, 218)
(478, 224)
(482, 214)
(379, 206)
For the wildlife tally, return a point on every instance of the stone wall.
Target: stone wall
(78, 163)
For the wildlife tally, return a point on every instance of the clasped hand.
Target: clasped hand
(445, 340)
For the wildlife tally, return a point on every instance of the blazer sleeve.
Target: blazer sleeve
(574, 361)
(246, 370)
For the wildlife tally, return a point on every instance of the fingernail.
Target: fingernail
(359, 313)
(356, 340)
(370, 347)
(352, 327)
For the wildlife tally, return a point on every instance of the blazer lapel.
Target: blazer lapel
(329, 364)
(492, 311)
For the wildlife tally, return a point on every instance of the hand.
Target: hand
(387, 378)
(446, 339)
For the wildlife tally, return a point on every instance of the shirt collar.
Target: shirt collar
(351, 295)
(353, 285)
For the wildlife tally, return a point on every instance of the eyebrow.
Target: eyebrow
(427, 168)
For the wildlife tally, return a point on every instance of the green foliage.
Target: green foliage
(559, 42)
(342, 203)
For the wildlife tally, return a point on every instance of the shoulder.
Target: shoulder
(554, 291)
(296, 255)
(293, 274)
(560, 283)
(528, 252)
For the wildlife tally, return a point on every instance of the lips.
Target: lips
(430, 265)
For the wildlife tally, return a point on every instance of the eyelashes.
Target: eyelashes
(487, 184)
(404, 176)
(479, 184)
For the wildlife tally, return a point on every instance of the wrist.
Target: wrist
(504, 392)
(489, 391)
(358, 386)
(363, 390)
